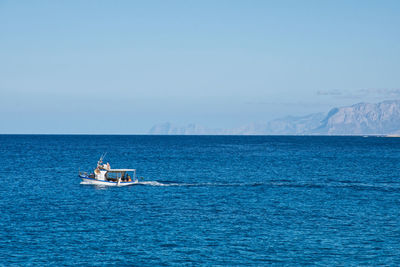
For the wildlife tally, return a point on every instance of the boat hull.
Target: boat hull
(91, 181)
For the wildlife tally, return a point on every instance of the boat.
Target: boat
(104, 175)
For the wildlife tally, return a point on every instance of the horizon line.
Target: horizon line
(233, 135)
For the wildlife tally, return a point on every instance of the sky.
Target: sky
(119, 67)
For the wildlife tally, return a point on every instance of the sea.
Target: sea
(201, 201)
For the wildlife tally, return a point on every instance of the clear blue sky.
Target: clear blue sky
(122, 66)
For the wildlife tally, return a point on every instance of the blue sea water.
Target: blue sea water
(204, 200)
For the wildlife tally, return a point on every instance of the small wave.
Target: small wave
(341, 184)
(368, 186)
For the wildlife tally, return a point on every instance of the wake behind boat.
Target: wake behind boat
(104, 175)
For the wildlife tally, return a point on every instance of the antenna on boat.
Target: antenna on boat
(101, 159)
(103, 156)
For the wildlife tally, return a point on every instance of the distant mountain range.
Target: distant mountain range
(360, 119)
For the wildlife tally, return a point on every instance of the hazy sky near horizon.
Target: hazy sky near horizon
(122, 66)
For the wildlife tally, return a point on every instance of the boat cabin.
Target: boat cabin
(123, 175)
(115, 175)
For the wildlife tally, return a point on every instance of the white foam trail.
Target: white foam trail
(155, 183)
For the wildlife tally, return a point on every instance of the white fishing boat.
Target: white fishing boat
(104, 175)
